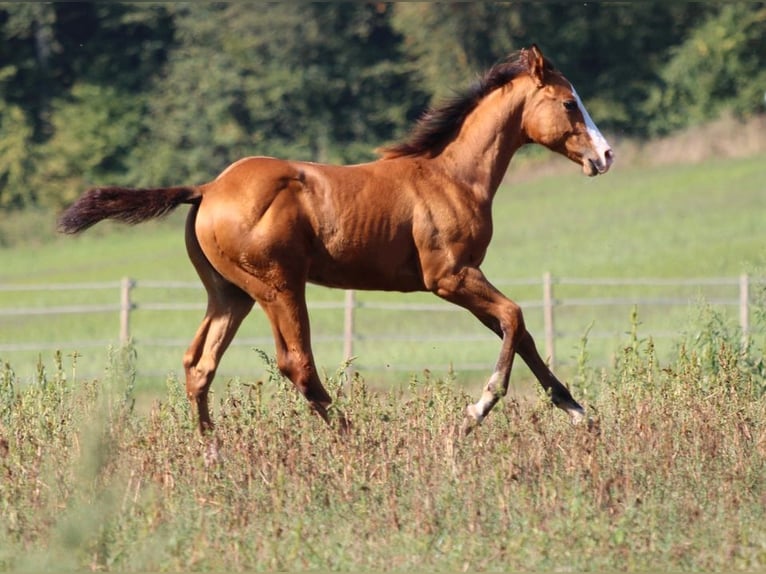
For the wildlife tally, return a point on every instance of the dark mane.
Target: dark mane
(437, 125)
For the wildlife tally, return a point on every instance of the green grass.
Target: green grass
(691, 220)
(681, 221)
(98, 473)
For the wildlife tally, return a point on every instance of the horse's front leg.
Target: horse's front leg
(495, 389)
(470, 289)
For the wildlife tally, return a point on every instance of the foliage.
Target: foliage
(611, 52)
(276, 83)
(151, 94)
(668, 475)
(16, 165)
(452, 42)
(719, 66)
(85, 150)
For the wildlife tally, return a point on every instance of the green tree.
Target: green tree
(719, 66)
(451, 42)
(71, 78)
(95, 130)
(16, 158)
(144, 94)
(27, 65)
(326, 82)
(610, 51)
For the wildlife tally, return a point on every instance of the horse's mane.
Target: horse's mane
(437, 125)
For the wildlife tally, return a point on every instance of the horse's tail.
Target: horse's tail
(123, 204)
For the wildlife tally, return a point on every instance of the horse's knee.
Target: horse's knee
(293, 365)
(295, 368)
(284, 365)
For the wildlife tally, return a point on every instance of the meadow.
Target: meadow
(680, 221)
(103, 469)
(669, 476)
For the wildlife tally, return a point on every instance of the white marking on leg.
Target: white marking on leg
(488, 399)
(576, 416)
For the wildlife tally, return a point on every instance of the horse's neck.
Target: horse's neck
(479, 155)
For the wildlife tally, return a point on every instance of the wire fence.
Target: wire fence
(561, 308)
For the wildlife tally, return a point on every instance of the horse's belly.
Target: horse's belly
(373, 275)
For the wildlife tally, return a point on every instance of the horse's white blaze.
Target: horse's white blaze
(599, 141)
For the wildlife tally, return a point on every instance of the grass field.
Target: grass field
(104, 472)
(671, 475)
(683, 221)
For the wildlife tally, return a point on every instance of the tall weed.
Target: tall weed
(669, 474)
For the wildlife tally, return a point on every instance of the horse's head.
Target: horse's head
(555, 117)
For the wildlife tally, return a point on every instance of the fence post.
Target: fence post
(348, 325)
(550, 329)
(126, 285)
(744, 308)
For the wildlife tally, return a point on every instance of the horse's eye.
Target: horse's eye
(570, 105)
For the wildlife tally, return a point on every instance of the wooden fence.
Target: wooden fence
(739, 294)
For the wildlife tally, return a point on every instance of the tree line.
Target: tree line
(152, 94)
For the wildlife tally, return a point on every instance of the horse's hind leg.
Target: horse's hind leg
(290, 325)
(227, 306)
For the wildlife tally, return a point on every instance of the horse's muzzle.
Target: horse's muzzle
(592, 167)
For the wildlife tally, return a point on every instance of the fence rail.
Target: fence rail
(551, 302)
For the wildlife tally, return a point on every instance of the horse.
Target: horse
(417, 218)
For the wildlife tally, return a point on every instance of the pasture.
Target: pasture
(685, 221)
(102, 466)
(671, 475)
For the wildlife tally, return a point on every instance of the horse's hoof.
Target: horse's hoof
(343, 425)
(579, 418)
(212, 456)
(471, 420)
(577, 415)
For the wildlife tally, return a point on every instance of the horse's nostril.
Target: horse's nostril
(609, 156)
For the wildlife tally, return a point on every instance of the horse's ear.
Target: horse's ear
(536, 64)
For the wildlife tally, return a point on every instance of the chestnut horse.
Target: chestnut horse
(417, 219)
